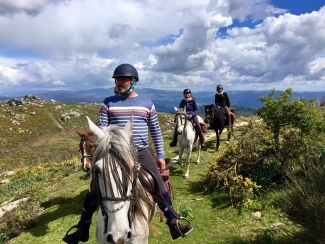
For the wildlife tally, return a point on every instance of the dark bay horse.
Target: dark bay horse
(218, 120)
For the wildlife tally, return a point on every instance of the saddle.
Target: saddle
(225, 111)
(149, 182)
(202, 124)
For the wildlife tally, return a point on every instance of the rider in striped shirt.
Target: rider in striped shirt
(117, 110)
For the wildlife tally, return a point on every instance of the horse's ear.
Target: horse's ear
(175, 109)
(128, 127)
(79, 133)
(98, 133)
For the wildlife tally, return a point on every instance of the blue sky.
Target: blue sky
(196, 44)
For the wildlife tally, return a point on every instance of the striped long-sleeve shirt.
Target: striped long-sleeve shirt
(117, 110)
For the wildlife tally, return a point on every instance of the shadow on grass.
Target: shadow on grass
(266, 237)
(64, 207)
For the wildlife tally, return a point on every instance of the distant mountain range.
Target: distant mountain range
(245, 102)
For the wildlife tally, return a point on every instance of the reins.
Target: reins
(131, 197)
(186, 120)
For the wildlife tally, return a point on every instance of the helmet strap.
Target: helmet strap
(133, 84)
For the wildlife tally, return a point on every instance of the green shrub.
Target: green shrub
(20, 218)
(303, 199)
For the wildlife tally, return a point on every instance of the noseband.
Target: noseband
(131, 197)
(181, 119)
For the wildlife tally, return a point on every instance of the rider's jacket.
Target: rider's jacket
(192, 107)
(222, 99)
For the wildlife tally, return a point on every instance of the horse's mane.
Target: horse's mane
(181, 111)
(219, 114)
(117, 151)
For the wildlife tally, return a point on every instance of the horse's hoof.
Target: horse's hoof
(197, 163)
(217, 149)
(186, 177)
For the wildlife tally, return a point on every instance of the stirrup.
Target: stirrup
(149, 181)
(75, 226)
(183, 218)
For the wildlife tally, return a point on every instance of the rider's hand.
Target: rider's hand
(189, 116)
(161, 164)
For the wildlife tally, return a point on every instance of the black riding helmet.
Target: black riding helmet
(219, 86)
(187, 91)
(126, 70)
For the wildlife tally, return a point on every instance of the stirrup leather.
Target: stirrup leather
(149, 181)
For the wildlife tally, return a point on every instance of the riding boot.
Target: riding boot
(82, 232)
(199, 131)
(177, 230)
(228, 116)
(173, 143)
(201, 136)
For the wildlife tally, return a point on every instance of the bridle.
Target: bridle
(83, 156)
(183, 121)
(130, 197)
(85, 147)
(209, 115)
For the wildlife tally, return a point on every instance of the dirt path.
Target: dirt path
(7, 206)
(55, 121)
(208, 136)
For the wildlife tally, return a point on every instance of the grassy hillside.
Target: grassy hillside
(33, 133)
(56, 197)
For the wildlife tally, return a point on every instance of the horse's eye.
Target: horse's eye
(97, 169)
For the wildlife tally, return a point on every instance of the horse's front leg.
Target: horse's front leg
(229, 134)
(198, 152)
(218, 141)
(180, 155)
(188, 159)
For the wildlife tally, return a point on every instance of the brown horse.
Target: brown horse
(87, 149)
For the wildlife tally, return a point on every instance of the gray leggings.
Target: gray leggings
(145, 159)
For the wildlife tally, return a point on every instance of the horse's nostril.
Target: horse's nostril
(109, 239)
(129, 234)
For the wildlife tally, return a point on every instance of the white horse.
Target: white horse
(185, 139)
(125, 209)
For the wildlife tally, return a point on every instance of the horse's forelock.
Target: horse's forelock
(117, 154)
(115, 140)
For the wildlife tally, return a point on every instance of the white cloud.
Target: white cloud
(78, 43)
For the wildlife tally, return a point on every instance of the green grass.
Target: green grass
(60, 194)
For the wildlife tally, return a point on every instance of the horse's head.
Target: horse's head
(87, 149)
(115, 165)
(209, 114)
(180, 119)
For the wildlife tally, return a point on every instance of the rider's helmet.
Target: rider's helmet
(219, 86)
(187, 91)
(126, 70)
